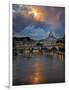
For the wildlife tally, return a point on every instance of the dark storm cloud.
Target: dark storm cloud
(54, 21)
(20, 22)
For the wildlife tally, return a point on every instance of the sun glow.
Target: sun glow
(37, 14)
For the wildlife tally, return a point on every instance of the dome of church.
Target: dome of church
(51, 35)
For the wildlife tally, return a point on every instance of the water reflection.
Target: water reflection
(37, 77)
(58, 56)
(61, 58)
(33, 69)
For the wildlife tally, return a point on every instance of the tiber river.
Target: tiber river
(38, 69)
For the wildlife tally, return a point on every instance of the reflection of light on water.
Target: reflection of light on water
(61, 57)
(55, 55)
(36, 78)
(51, 53)
(37, 67)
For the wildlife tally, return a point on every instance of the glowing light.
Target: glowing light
(37, 14)
(36, 78)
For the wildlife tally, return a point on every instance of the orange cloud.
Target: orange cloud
(38, 14)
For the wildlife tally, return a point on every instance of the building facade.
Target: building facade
(26, 44)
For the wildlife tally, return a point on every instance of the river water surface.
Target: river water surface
(38, 69)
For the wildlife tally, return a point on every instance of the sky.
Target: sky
(37, 22)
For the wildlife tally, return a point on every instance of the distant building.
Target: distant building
(50, 41)
(25, 43)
